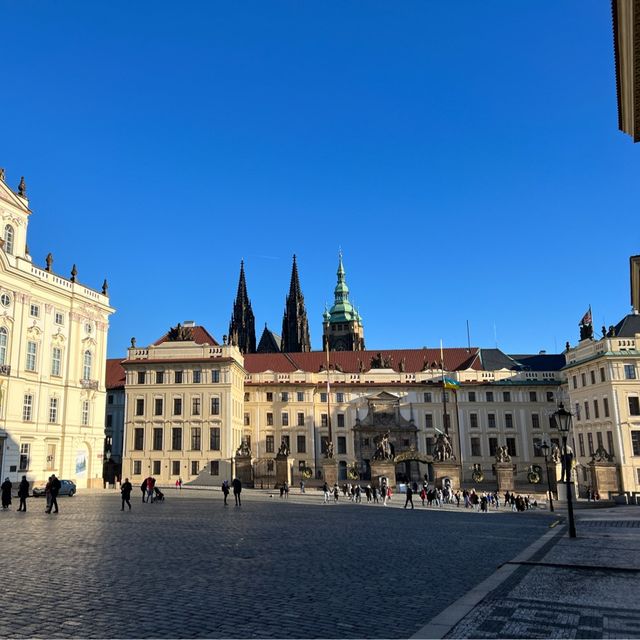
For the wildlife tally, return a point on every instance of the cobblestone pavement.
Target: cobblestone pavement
(587, 587)
(189, 567)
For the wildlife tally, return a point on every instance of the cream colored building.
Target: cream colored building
(53, 344)
(184, 408)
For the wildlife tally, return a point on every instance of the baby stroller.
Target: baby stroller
(158, 496)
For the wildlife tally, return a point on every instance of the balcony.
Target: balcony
(89, 384)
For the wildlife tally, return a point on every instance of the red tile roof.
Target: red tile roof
(415, 360)
(114, 378)
(200, 336)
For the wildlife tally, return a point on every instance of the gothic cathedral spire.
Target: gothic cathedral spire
(295, 326)
(242, 331)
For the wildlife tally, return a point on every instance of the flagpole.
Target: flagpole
(455, 395)
(444, 392)
(328, 397)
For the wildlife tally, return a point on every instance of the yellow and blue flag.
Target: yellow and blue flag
(450, 384)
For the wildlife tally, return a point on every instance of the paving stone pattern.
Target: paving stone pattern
(191, 568)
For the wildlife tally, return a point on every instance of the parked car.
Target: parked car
(67, 488)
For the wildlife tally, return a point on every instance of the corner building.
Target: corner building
(53, 344)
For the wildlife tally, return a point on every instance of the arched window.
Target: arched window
(8, 239)
(3, 345)
(86, 370)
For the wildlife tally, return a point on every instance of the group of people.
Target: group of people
(52, 489)
(149, 490)
(236, 484)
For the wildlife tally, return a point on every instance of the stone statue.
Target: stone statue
(477, 475)
(133, 343)
(49, 261)
(567, 464)
(283, 451)
(22, 188)
(244, 449)
(329, 450)
(180, 333)
(502, 454)
(443, 449)
(381, 362)
(384, 450)
(2, 177)
(555, 453)
(402, 365)
(601, 455)
(74, 273)
(224, 339)
(586, 331)
(105, 287)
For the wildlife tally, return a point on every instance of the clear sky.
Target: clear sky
(464, 155)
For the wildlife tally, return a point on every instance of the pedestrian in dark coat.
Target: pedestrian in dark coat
(225, 490)
(143, 488)
(125, 491)
(237, 489)
(409, 497)
(5, 487)
(55, 489)
(23, 493)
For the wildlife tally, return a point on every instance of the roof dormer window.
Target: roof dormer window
(8, 239)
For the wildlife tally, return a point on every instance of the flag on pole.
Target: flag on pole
(450, 384)
(586, 318)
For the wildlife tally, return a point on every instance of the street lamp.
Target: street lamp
(563, 421)
(545, 450)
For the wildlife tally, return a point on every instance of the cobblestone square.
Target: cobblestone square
(190, 567)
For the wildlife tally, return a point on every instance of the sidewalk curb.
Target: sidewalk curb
(439, 626)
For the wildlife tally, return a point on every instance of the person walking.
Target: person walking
(125, 492)
(6, 493)
(225, 490)
(237, 489)
(151, 483)
(409, 498)
(423, 495)
(23, 494)
(55, 489)
(301, 486)
(286, 490)
(383, 493)
(336, 492)
(374, 493)
(325, 490)
(180, 484)
(143, 488)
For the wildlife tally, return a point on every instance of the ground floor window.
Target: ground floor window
(214, 468)
(25, 456)
(157, 467)
(635, 442)
(195, 467)
(137, 467)
(175, 467)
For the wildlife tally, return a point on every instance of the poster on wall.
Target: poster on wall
(81, 462)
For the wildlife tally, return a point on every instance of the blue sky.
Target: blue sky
(465, 156)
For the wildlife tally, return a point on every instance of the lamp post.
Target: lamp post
(545, 451)
(563, 421)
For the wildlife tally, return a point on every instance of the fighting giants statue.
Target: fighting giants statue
(385, 449)
(502, 454)
(284, 450)
(244, 449)
(443, 449)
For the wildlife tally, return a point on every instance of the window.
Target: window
(247, 420)
(430, 444)
(32, 350)
(596, 410)
(511, 447)
(215, 375)
(56, 362)
(508, 420)
(605, 406)
(176, 438)
(110, 399)
(428, 421)
(139, 406)
(109, 421)
(195, 406)
(85, 413)
(158, 406)
(178, 377)
(610, 442)
(535, 421)
(141, 377)
(472, 396)
(175, 467)
(300, 396)
(247, 396)
(53, 410)
(577, 414)
(51, 457)
(581, 443)
(8, 241)
(269, 396)
(214, 439)
(537, 447)
(215, 406)
(427, 396)
(583, 379)
(634, 406)
(342, 445)
(197, 376)
(491, 420)
(138, 439)
(195, 467)
(87, 365)
(196, 439)
(475, 447)
(340, 397)
(493, 446)
(214, 468)
(489, 396)
(3, 345)
(506, 396)
(446, 421)
(157, 467)
(269, 419)
(323, 397)
(586, 410)
(635, 442)
(27, 408)
(34, 311)
(157, 439)
(324, 420)
(341, 419)
(159, 377)
(593, 376)
(287, 441)
(603, 377)
(269, 444)
(284, 418)
(445, 395)
(574, 379)
(533, 396)
(284, 396)
(550, 396)
(301, 419)
(5, 300)
(473, 420)
(590, 442)
(25, 456)
(629, 372)
(302, 444)
(137, 467)
(599, 439)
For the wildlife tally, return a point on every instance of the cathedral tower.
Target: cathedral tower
(242, 331)
(295, 326)
(342, 326)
